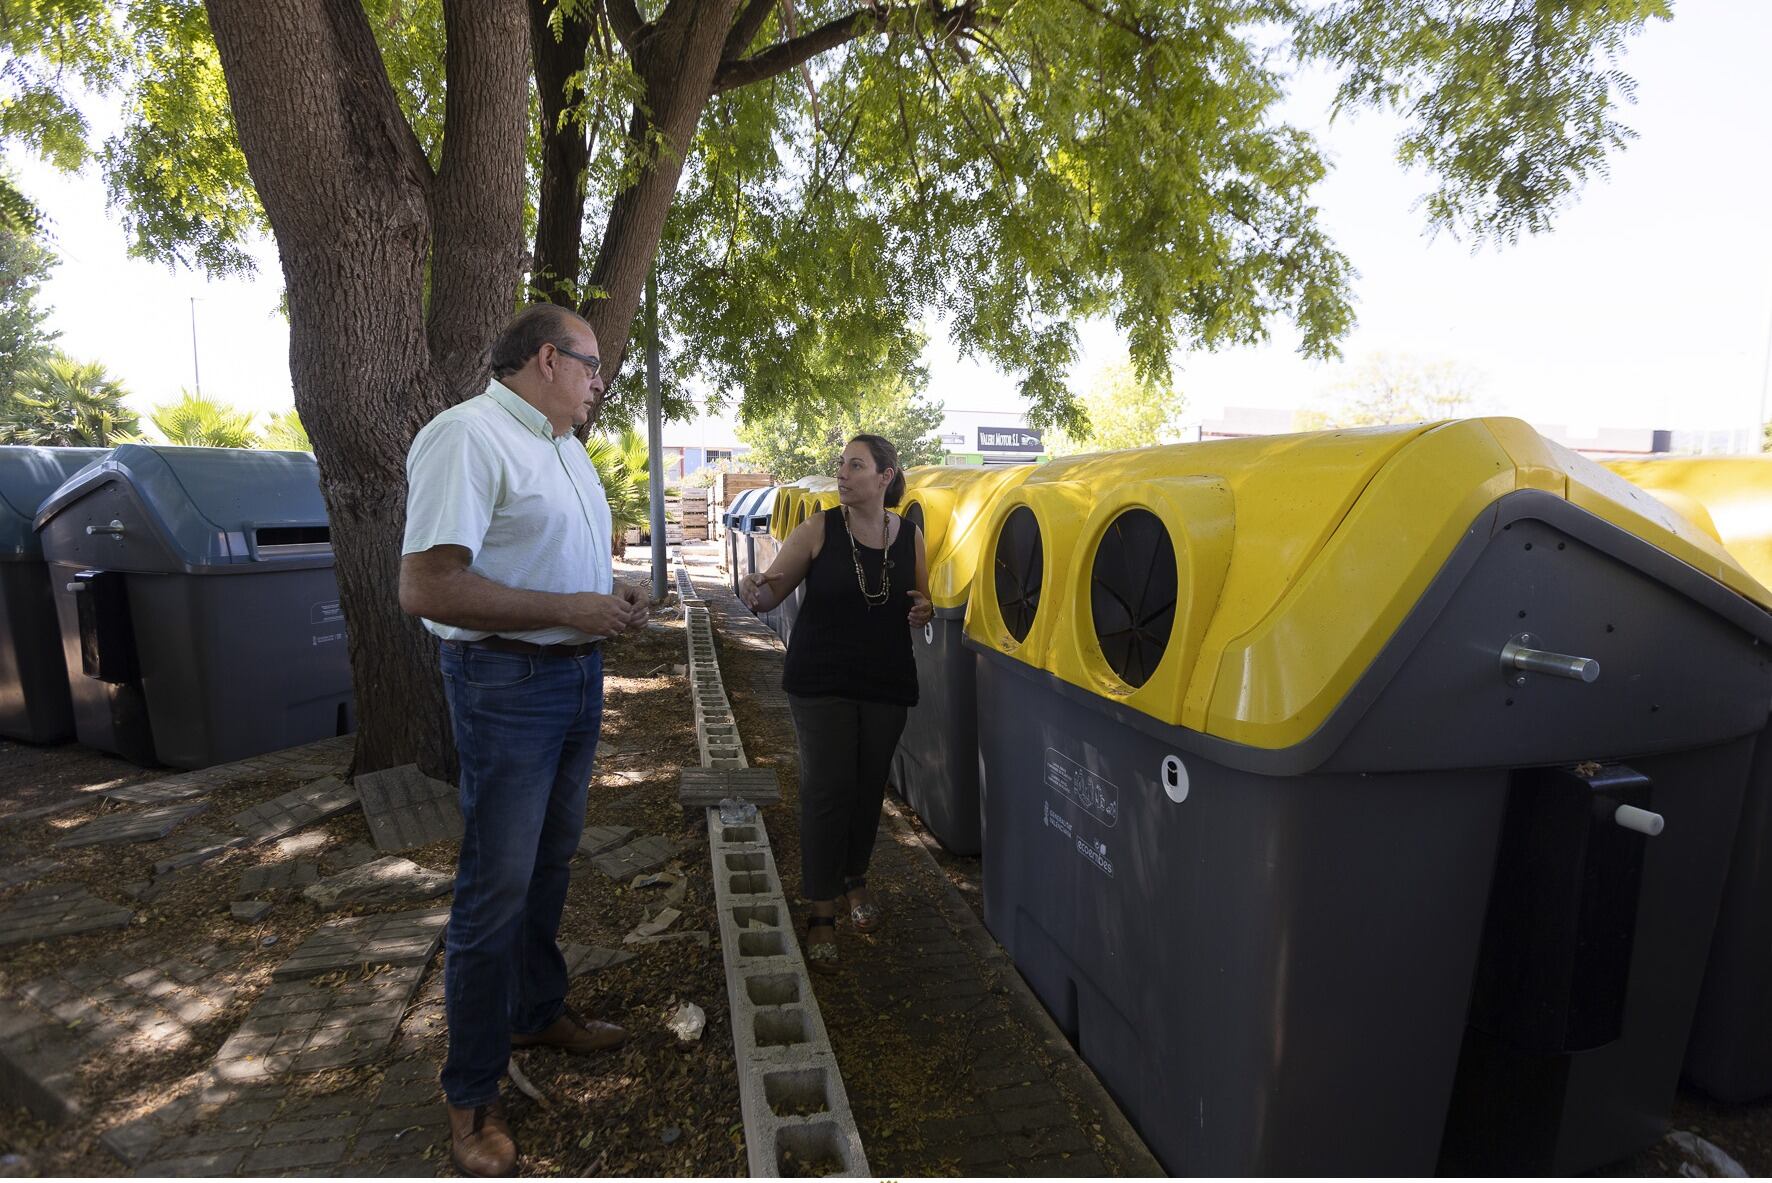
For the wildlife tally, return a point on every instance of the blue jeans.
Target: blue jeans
(526, 733)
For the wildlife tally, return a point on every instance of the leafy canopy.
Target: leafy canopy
(1013, 165)
(197, 422)
(808, 437)
(25, 262)
(1397, 388)
(63, 403)
(1123, 411)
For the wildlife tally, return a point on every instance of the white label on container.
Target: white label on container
(325, 612)
(1090, 792)
(1095, 852)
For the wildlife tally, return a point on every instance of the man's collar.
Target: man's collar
(525, 411)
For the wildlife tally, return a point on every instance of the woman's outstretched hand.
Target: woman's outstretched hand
(751, 589)
(922, 611)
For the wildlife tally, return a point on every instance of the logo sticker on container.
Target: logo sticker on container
(1096, 796)
(929, 634)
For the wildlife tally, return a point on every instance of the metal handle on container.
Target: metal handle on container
(1518, 655)
(116, 527)
(1640, 820)
(79, 585)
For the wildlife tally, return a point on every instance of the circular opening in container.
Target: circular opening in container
(1132, 594)
(1021, 568)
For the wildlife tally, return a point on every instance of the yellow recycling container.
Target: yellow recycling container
(1319, 774)
(936, 766)
(1729, 1054)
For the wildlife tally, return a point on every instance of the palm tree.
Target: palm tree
(622, 462)
(198, 422)
(285, 433)
(63, 403)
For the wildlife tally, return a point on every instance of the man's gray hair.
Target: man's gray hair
(528, 331)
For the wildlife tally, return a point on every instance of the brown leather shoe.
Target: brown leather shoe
(573, 1033)
(480, 1141)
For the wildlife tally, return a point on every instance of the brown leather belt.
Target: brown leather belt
(528, 648)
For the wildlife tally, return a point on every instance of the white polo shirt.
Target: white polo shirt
(489, 475)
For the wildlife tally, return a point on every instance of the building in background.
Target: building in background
(691, 446)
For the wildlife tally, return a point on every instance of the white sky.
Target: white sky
(1648, 305)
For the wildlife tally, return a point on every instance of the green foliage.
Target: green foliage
(46, 47)
(1386, 388)
(285, 433)
(63, 403)
(1512, 105)
(1123, 411)
(622, 462)
(807, 438)
(197, 422)
(25, 262)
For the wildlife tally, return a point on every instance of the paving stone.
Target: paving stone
(201, 854)
(406, 808)
(276, 877)
(270, 820)
(390, 880)
(354, 855)
(250, 911)
(597, 839)
(637, 857)
(400, 938)
(144, 825)
(588, 959)
(298, 1027)
(17, 873)
(173, 788)
(61, 805)
(58, 910)
(704, 788)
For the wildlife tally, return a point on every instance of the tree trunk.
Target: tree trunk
(565, 153)
(359, 219)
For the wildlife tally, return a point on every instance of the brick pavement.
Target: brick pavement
(295, 809)
(136, 825)
(57, 910)
(644, 854)
(406, 808)
(396, 938)
(999, 1090)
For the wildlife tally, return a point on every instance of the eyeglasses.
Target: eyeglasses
(591, 363)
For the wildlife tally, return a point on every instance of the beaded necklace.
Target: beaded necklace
(873, 599)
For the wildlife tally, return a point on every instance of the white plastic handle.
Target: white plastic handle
(1640, 820)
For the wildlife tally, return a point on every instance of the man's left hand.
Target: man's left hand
(639, 608)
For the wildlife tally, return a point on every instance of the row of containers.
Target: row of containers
(1385, 801)
(173, 606)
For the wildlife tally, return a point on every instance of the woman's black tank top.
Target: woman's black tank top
(840, 645)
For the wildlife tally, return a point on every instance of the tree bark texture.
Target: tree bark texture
(358, 216)
(566, 152)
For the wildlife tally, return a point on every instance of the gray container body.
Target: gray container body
(34, 703)
(936, 766)
(212, 627)
(1309, 961)
(1729, 1055)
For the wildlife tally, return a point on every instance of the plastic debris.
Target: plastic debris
(688, 1022)
(734, 812)
(1713, 1161)
(657, 924)
(523, 1084)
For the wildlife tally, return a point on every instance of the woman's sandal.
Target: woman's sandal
(866, 917)
(821, 955)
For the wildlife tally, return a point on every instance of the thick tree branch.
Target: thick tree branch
(797, 50)
(745, 29)
(566, 152)
(624, 18)
(477, 201)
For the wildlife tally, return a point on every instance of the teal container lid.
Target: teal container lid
(27, 477)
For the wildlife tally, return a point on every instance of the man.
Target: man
(507, 559)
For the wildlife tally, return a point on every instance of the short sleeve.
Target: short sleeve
(452, 485)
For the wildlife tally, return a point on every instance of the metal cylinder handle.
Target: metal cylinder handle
(1640, 820)
(116, 527)
(1519, 655)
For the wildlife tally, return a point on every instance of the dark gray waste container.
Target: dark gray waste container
(34, 704)
(1319, 877)
(198, 606)
(738, 548)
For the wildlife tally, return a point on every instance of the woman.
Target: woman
(849, 675)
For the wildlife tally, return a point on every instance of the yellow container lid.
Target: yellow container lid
(955, 501)
(1295, 559)
(1729, 497)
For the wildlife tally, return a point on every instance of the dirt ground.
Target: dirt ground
(655, 1108)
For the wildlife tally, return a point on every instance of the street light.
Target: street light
(196, 374)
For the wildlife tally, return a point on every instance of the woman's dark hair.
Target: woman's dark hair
(885, 456)
(528, 331)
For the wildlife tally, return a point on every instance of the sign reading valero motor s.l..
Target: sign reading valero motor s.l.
(1010, 439)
